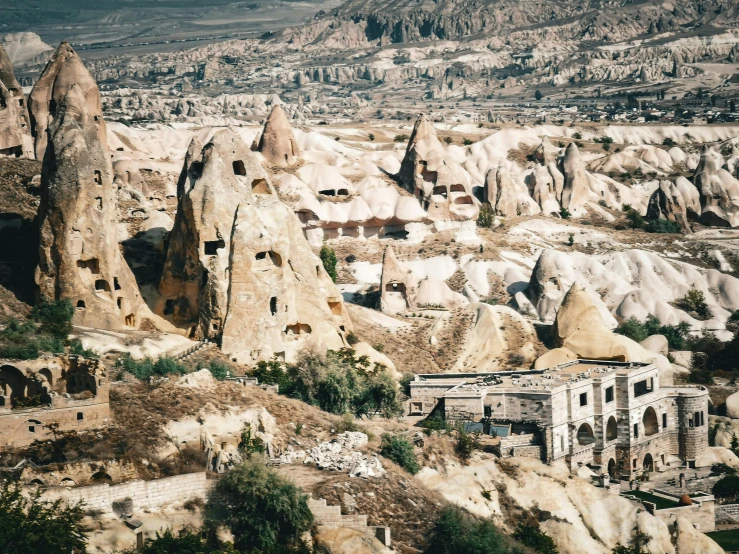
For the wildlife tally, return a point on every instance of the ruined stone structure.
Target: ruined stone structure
(239, 270)
(440, 184)
(79, 255)
(15, 135)
(614, 415)
(277, 143)
(69, 391)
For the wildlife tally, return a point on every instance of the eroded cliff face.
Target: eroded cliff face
(239, 270)
(15, 137)
(79, 255)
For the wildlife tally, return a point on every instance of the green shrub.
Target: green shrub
(405, 383)
(352, 339)
(466, 444)
(636, 221)
(55, 318)
(564, 213)
(146, 368)
(535, 539)
(636, 330)
(726, 488)
(486, 216)
(401, 138)
(695, 300)
(457, 532)
(186, 541)
(467, 142)
(663, 226)
(399, 450)
(328, 259)
(219, 370)
(250, 444)
(264, 511)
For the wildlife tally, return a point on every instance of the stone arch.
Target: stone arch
(101, 477)
(14, 380)
(651, 424)
(67, 482)
(611, 429)
(46, 372)
(648, 463)
(585, 435)
(612, 467)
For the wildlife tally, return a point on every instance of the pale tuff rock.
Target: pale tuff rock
(507, 197)
(497, 333)
(580, 332)
(79, 256)
(277, 143)
(719, 191)
(545, 191)
(440, 183)
(546, 153)
(239, 270)
(15, 136)
(656, 343)
(191, 168)
(64, 70)
(576, 189)
(691, 197)
(398, 285)
(343, 540)
(689, 539)
(507, 203)
(667, 202)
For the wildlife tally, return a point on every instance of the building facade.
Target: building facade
(614, 415)
(70, 392)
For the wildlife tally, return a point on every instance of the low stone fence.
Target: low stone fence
(142, 494)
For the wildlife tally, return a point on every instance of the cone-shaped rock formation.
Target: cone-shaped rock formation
(398, 285)
(64, 70)
(440, 184)
(239, 270)
(15, 136)
(719, 191)
(576, 189)
(80, 258)
(667, 203)
(277, 143)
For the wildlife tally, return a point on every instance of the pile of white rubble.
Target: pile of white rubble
(338, 454)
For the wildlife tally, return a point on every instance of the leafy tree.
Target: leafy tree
(696, 301)
(637, 544)
(401, 138)
(668, 142)
(328, 259)
(726, 488)
(352, 339)
(535, 539)
(400, 451)
(564, 213)
(466, 444)
(30, 525)
(146, 368)
(636, 221)
(371, 137)
(219, 370)
(250, 444)
(538, 94)
(265, 512)
(577, 136)
(55, 317)
(457, 532)
(486, 216)
(448, 140)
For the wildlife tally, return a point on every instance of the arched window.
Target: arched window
(651, 425)
(611, 429)
(585, 435)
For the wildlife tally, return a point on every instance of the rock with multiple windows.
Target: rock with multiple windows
(611, 415)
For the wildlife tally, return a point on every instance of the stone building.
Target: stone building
(69, 391)
(613, 415)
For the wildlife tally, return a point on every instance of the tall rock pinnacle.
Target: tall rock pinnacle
(64, 70)
(277, 143)
(79, 257)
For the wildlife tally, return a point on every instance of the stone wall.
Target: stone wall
(143, 494)
(701, 515)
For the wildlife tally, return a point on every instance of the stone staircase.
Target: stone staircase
(331, 516)
(192, 350)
